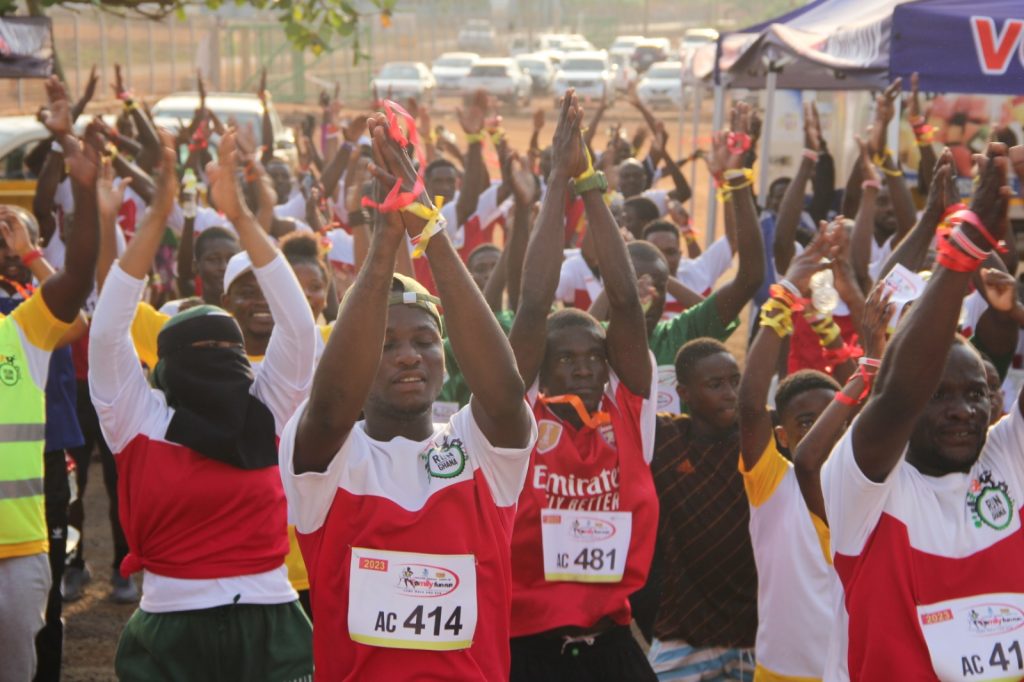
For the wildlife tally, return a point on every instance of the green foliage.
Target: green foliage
(312, 25)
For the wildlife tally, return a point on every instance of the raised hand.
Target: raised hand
(390, 164)
(109, 197)
(868, 171)
(14, 232)
(224, 186)
(812, 127)
(90, 87)
(473, 118)
(914, 101)
(991, 196)
(201, 86)
(56, 115)
(885, 109)
(728, 148)
(875, 319)
(999, 289)
(261, 89)
(355, 129)
(120, 91)
(803, 267)
(524, 184)
(943, 192)
(567, 151)
(538, 120)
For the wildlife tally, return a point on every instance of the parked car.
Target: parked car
(590, 73)
(694, 39)
(501, 78)
(574, 44)
(400, 80)
(478, 36)
(649, 51)
(662, 85)
(540, 69)
(624, 46)
(450, 68)
(625, 74)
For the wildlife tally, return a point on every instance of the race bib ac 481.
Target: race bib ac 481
(585, 547)
(406, 600)
(975, 638)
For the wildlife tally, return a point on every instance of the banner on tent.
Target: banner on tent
(26, 47)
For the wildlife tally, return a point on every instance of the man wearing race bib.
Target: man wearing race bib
(584, 530)
(404, 524)
(922, 503)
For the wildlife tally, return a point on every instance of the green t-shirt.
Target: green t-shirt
(670, 335)
(455, 391)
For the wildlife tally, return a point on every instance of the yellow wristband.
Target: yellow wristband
(782, 319)
(590, 172)
(473, 138)
(434, 223)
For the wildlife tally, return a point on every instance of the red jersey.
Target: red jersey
(587, 518)
(805, 351)
(407, 548)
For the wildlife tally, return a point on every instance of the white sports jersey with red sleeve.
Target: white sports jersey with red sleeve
(588, 515)
(931, 566)
(578, 286)
(407, 548)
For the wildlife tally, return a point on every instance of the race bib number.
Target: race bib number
(585, 547)
(405, 600)
(668, 398)
(976, 638)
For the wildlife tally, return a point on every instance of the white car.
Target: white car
(244, 109)
(477, 35)
(649, 51)
(624, 45)
(400, 80)
(541, 70)
(590, 73)
(694, 39)
(625, 74)
(450, 68)
(662, 85)
(501, 78)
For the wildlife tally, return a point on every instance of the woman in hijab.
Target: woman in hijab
(201, 498)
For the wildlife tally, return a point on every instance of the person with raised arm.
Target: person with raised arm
(922, 497)
(585, 525)
(28, 337)
(392, 508)
(201, 499)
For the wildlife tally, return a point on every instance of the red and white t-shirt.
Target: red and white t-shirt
(931, 566)
(588, 516)
(700, 274)
(578, 286)
(407, 548)
(204, 533)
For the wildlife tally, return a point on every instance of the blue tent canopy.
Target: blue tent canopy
(973, 46)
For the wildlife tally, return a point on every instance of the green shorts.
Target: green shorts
(270, 643)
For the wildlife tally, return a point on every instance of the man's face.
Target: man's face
(11, 266)
(885, 215)
(711, 390)
(442, 182)
(245, 300)
(995, 393)
(775, 194)
(632, 178)
(668, 244)
(211, 265)
(411, 369)
(481, 265)
(281, 176)
(632, 221)
(575, 363)
(951, 431)
(800, 415)
(314, 285)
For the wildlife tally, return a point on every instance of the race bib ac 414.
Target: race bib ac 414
(975, 638)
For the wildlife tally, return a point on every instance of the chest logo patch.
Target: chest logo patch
(989, 502)
(10, 374)
(548, 434)
(445, 459)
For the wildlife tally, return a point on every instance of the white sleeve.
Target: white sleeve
(1005, 444)
(117, 384)
(504, 469)
(648, 410)
(566, 291)
(311, 494)
(286, 374)
(853, 502)
(975, 306)
(701, 273)
(487, 204)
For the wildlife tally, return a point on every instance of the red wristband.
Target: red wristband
(31, 256)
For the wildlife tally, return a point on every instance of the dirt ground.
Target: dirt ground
(93, 624)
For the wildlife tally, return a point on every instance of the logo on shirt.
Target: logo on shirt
(9, 372)
(989, 502)
(421, 580)
(446, 459)
(588, 529)
(548, 433)
(994, 619)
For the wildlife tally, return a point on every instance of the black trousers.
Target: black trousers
(50, 640)
(614, 656)
(90, 425)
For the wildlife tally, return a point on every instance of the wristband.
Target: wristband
(590, 172)
(874, 184)
(31, 256)
(778, 316)
(737, 143)
(474, 138)
(130, 105)
(811, 155)
(870, 362)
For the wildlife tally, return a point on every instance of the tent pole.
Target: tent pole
(696, 140)
(716, 125)
(766, 133)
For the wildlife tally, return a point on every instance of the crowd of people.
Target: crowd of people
(370, 413)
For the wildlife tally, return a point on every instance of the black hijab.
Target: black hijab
(208, 387)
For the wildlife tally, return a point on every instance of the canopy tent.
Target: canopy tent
(974, 46)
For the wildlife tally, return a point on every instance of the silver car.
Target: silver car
(450, 68)
(501, 78)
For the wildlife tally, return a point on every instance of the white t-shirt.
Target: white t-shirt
(795, 579)
(974, 307)
(930, 566)
(577, 285)
(701, 273)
